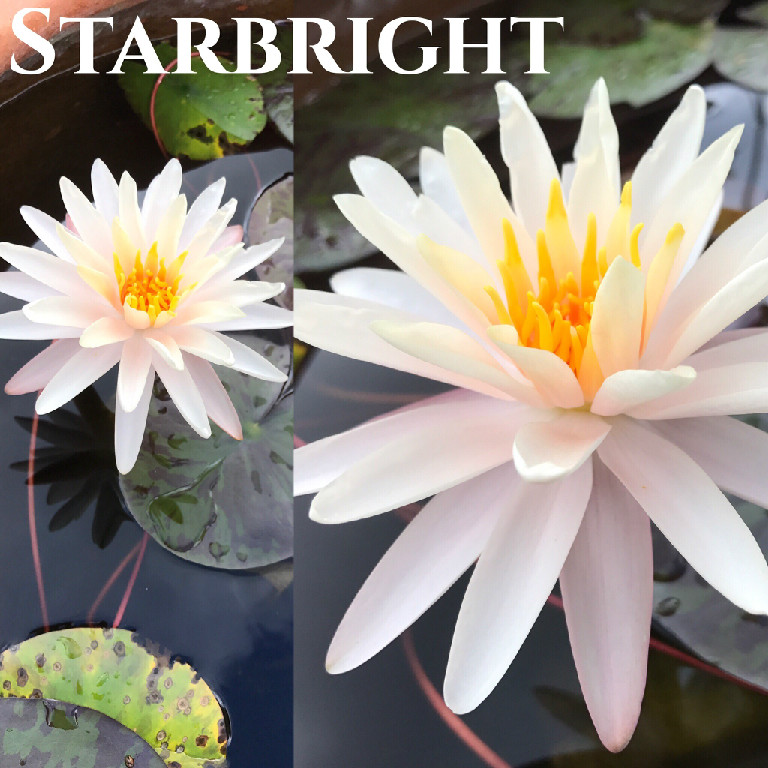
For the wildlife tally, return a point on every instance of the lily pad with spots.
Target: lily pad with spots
(38, 733)
(221, 502)
(278, 85)
(165, 702)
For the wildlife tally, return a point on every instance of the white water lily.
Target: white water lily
(148, 287)
(595, 388)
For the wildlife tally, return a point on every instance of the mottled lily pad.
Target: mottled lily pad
(272, 218)
(200, 116)
(108, 670)
(38, 733)
(278, 86)
(741, 55)
(666, 57)
(221, 502)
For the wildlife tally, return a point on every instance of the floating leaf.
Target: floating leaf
(221, 502)
(271, 218)
(163, 701)
(278, 86)
(741, 55)
(200, 116)
(666, 57)
(50, 734)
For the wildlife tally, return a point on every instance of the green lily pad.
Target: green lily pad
(201, 116)
(163, 701)
(220, 502)
(741, 55)
(38, 733)
(278, 86)
(666, 57)
(271, 218)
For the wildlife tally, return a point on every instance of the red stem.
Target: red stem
(111, 580)
(33, 524)
(131, 582)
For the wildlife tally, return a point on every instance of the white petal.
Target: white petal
(437, 184)
(247, 360)
(607, 588)
(129, 427)
(47, 269)
(217, 403)
(33, 376)
(202, 343)
(385, 188)
(83, 368)
(185, 395)
(21, 286)
(245, 261)
(169, 228)
(63, 310)
(161, 193)
(16, 325)
(513, 577)
(441, 542)
(732, 453)
(320, 463)
(201, 211)
(135, 367)
(255, 317)
(88, 222)
(105, 192)
(202, 242)
(749, 345)
(624, 390)
(526, 152)
(547, 450)
(45, 227)
(243, 293)
(130, 214)
(105, 330)
(418, 464)
(690, 511)
(164, 345)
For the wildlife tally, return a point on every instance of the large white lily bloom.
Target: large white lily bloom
(150, 287)
(595, 388)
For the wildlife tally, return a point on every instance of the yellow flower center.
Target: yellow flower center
(555, 314)
(151, 287)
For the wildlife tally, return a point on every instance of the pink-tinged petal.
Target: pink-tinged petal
(206, 311)
(41, 369)
(513, 577)
(551, 377)
(726, 391)
(201, 211)
(527, 155)
(45, 268)
(674, 149)
(129, 427)
(625, 390)
(390, 288)
(243, 293)
(165, 346)
(89, 224)
(63, 310)
(741, 246)
(257, 316)
(342, 325)
(105, 191)
(748, 345)
(247, 360)
(135, 318)
(483, 200)
(244, 261)
(46, 228)
(130, 214)
(160, 195)
(607, 588)
(16, 325)
(453, 350)
(690, 510)
(83, 368)
(617, 319)
(203, 241)
(184, 393)
(202, 343)
(547, 450)
(485, 434)
(106, 330)
(732, 453)
(169, 229)
(232, 235)
(21, 286)
(441, 542)
(135, 367)
(318, 464)
(217, 403)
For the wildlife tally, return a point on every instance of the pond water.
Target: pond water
(234, 628)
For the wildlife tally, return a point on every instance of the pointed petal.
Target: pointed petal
(513, 577)
(130, 214)
(255, 317)
(160, 195)
(607, 588)
(105, 192)
(385, 188)
(105, 330)
(185, 395)
(46, 228)
(165, 346)
(21, 286)
(89, 223)
(63, 310)
(201, 211)
(16, 325)
(33, 376)
(690, 511)
(624, 390)
(129, 427)
(49, 270)
(135, 367)
(441, 542)
(217, 403)
(202, 343)
(247, 360)
(437, 184)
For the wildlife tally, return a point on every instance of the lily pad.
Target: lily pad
(200, 116)
(271, 218)
(221, 502)
(278, 85)
(38, 733)
(108, 670)
(666, 57)
(741, 55)
(757, 13)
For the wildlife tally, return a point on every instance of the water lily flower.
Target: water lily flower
(148, 287)
(594, 385)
